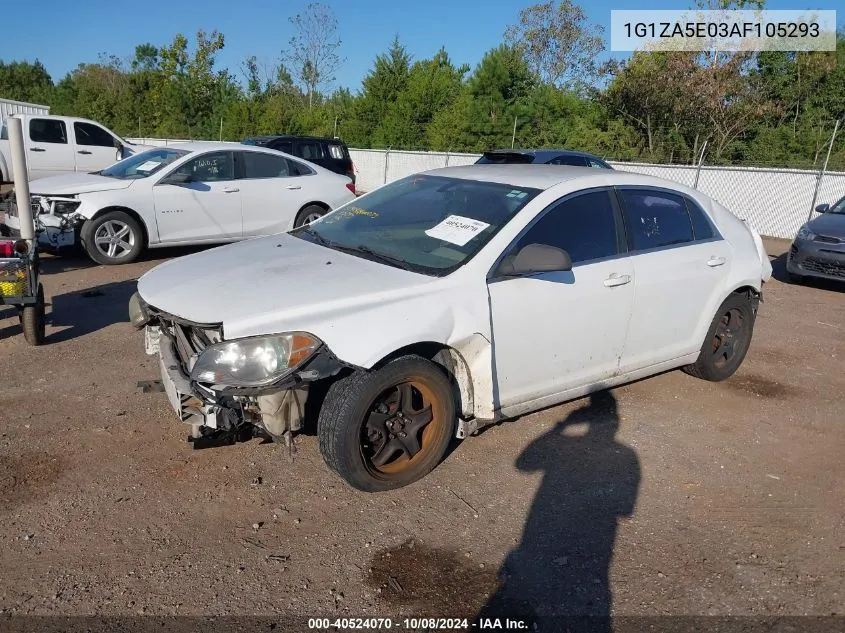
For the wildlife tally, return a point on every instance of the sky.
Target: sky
(67, 33)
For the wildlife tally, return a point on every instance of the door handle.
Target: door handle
(230, 189)
(83, 151)
(294, 187)
(616, 279)
(36, 149)
(715, 261)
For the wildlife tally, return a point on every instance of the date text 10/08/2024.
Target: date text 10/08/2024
(417, 624)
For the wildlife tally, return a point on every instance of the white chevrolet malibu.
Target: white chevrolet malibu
(189, 193)
(446, 301)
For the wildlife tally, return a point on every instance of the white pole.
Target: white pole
(21, 177)
(821, 173)
(513, 138)
(221, 128)
(335, 128)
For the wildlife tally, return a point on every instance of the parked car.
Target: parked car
(819, 247)
(449, 300)
(541, 157)
(189, 193)
(329, 153)
(58, 145)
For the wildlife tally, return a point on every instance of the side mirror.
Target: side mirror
(535, 258)
(823, 208)
(177, 178)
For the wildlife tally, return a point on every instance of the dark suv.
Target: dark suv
(541, 156)
(329, 153)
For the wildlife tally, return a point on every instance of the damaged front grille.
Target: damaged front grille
(824, 266)
(189, 339)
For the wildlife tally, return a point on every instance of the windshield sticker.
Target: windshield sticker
(457, 230)
(148, 166)
(515, 193)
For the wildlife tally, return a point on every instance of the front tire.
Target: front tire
(114, 237)
(727, 341)
(387, 428)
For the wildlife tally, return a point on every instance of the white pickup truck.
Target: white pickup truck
(61, 144)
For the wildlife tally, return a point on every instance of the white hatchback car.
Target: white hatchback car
(189, 193)
(449, 300)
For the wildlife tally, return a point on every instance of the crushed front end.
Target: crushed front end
(208, 395)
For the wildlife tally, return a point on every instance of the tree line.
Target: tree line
(540, 87)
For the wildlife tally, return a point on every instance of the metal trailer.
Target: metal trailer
(20, 284)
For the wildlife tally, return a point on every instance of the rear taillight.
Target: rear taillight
(351, 186)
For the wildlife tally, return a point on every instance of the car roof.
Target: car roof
(542, 155)
(547, 176)
(273, 137)
(206, 146)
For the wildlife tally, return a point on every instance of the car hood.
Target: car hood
(265, 285)
(832, 224)
(78, 182)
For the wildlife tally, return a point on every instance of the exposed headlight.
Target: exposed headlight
(63, 205)
(253, 362)
(806, 234)
(138, 314)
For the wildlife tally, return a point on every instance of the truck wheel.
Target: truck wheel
(727, 341)
(309, 214)
(112, 238)
(32, 319)
(387, 428)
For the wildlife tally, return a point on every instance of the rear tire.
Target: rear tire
(309, 214)
(387, 428)
(727, 340)
(114, 237)
(32, 320)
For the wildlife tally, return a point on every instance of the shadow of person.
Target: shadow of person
(558, 576)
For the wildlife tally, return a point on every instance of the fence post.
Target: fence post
(447, 157)
(386, 162)
(700, 162)
(821, 173)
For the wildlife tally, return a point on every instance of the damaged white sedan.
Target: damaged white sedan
(188, 193)
(446, 301)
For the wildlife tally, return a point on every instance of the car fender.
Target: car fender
(95, 204)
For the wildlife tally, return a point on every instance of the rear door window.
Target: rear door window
(261, 165)
(283, 146)
(565, 159)
(309, 150)
(47, 131)
(656, 219)
(701, 227)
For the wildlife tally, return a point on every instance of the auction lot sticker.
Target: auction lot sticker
(457, 229)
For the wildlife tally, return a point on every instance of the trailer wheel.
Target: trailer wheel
(32, 320)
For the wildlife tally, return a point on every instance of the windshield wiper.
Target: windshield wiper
(322, 241)
(398, 262)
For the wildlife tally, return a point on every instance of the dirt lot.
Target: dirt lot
(709, 499)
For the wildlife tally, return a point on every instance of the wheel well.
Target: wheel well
(134, 214)
(313, 204)
(452, 363)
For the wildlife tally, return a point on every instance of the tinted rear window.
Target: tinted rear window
(656, 218)
(497, 158)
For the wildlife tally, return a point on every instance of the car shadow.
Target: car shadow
(85, 311)
(558, 575)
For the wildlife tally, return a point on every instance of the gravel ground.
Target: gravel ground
(667, 496)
